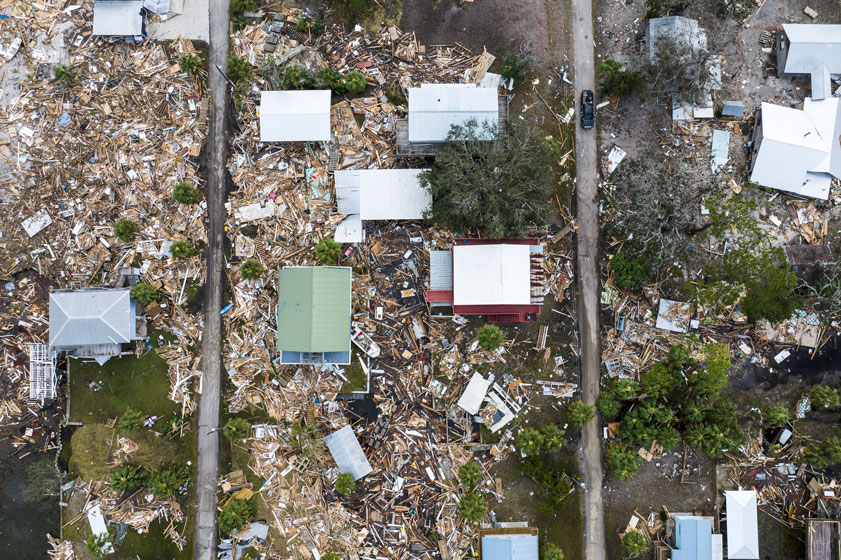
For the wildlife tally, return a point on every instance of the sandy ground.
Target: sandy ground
(543, 26)
(641, 124)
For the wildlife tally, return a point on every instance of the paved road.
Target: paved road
(588, 282)
(207, 468)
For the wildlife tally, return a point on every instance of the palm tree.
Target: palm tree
(469, 474)
(580, 414)
(167, 482)
(472, 507)
(127, 477)
(530, 441)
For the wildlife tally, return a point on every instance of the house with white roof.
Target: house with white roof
(813, 49)
(118, 18)
(295, 116)
(435, 108)
(378, 194)
(502, 279)
(797, 150)
(92, 323)
(742, 527)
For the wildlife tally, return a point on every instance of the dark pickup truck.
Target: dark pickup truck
(588, 115)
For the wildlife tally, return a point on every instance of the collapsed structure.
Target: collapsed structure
(813, 50)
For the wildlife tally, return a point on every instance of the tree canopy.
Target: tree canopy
(494, 187)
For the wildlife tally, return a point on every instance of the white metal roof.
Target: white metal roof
(441, 270)
(491, 274)
(121, 18)
(382, 194)
(347, 453)
(674, 29)
(98, 316)
(349, 230)
(742, 528)
(295, 116)
(812, 45)
(800, 149)
(474, 395)
(433, 109)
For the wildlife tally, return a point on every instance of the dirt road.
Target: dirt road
(207, 468)
(588, 282)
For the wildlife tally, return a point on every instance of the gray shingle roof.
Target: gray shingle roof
(91, 317)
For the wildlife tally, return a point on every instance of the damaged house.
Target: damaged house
(500, 278)
(682, 38)
(810, 49)
(797, 150)
(378, 194)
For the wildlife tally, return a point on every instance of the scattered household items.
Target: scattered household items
(674, 316)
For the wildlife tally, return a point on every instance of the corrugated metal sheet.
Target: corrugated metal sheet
(313, 309)
(295, 116)
(119, 18)
(441, 270)
(509, 547)
(347, 453)
(382, 194)
(87, 317)
(433, 110)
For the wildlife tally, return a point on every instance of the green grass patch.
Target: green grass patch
(127, 382)
(356, 378)
(154, 544)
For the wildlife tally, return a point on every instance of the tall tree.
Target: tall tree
(496, 187)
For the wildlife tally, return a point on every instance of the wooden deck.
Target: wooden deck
(823, 538)
(410, 149)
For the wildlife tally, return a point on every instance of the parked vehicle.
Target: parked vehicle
(588, 113)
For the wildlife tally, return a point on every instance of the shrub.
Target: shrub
(296, 76)
(239, 70)
(634, 544)
(97, 546)
(608, 404)
(331, 556)
(472, 507)
(628, 272)
(771, 295)
(395, 95)
(469, 474)
(130, 420)
(823, 396)
(516, 65)
(617, 80)
(355, 81)
(775, 416)
(530, 441)
(551, 552)
(553, 437)
(65, 73)
(166, 483)
(332, 79)
(235, 515)
(143, 293)
(128, 477)
(236, 429)
(345, 484)
(191, 64)
(181, 250)
(490, 338)
(185, 193)
(623, 461)
(821, 455)
(238, 21)
(328, 251)
(42, 479)
(125, 230)
(239, 7)
(251, 269)
(579, 413)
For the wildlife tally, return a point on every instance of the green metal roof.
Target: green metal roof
(313, 309)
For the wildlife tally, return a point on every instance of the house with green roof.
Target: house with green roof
(313, 314)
